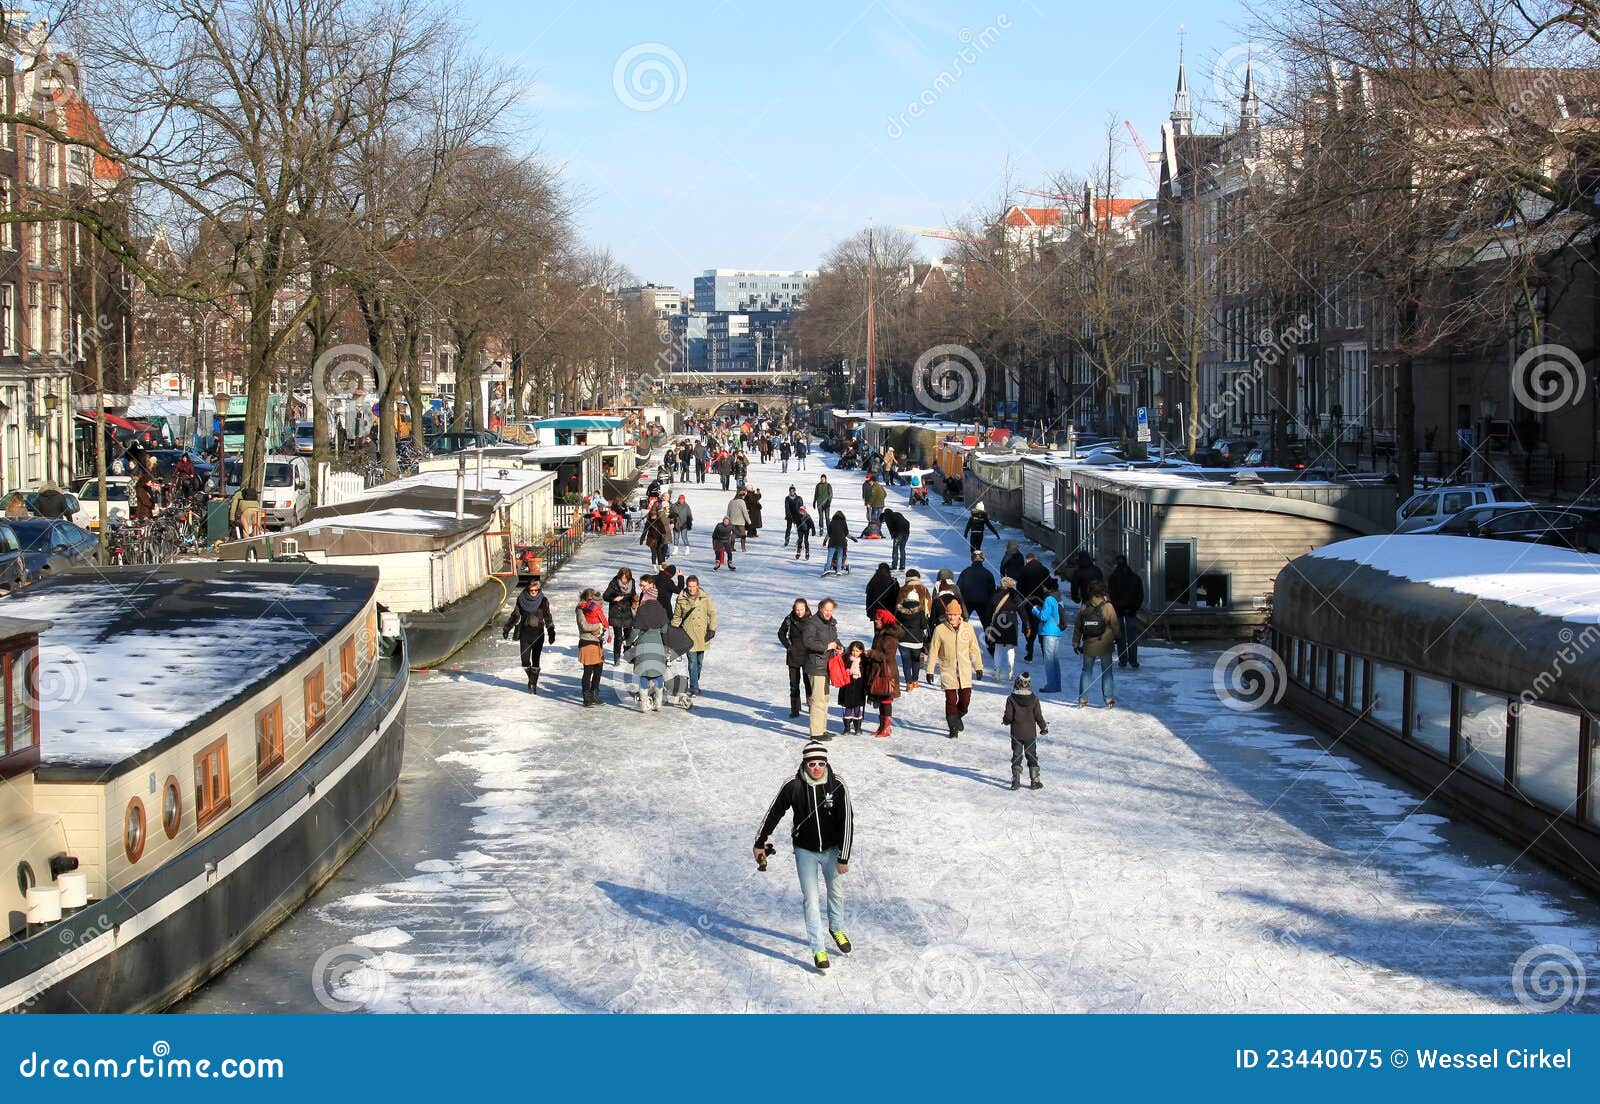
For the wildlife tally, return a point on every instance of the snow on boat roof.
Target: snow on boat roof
(505, 481)
(139, 657)
(1555, 582)
(395, 519)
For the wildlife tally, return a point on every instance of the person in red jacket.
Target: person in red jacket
(883, 679)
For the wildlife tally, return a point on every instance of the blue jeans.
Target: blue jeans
(897, 554)
(836, 558)
(696, 661)
(811, 865)
(1050, 649)
(1108, 687)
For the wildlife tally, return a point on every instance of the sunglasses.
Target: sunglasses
(816, 762)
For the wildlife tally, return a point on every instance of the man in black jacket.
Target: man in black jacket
(530, 617)
(883, 591)
(899, 527)
(1031, 586)
(1126, 591)
(1083, 574)
(792, 505)
(822, 833)
(977, 588)
(667, 584)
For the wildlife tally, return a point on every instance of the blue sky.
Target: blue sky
(772, 131)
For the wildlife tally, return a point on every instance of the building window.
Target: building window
(52, 247)
(347, 667)
(1430, 714)
(52, 165)
(1482, 727)
(171, 807)
(269, 739)
(35, 316)
(133, 830)
(30, 159)
(212, 790)
(34, 233)
(8, 231)
(316, 707)
(8, 319)
(1388, 697)
(53, 298)
(1547, 756)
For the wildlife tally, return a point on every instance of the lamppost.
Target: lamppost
(51, 401)
(222, 401)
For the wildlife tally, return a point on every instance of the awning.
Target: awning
(118, 423)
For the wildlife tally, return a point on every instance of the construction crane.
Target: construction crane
(941, 232)
(1144, 154)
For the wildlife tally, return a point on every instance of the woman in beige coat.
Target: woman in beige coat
(953, 651)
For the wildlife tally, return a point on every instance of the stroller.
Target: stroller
(919, 488)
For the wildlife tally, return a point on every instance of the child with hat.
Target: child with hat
(1024, 716)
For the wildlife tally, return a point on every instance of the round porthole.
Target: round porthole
(171, 807)
(25, 879)
(133, 830)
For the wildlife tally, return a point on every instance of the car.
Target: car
(1538, 525)
(119, 504)
(167, 462)
(1289, 457)
(32, 499)
(1439, 503)
(1466, 522)
(285, 489)
(460, 441)
(50, 546)
(305, 440)
(12, 572)
(1226, 452)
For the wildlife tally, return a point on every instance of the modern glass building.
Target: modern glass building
(751, 289)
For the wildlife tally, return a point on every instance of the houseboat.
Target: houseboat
(440, 568)
(189, 752)
(1467, 666)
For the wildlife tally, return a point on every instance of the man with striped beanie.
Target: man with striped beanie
(821, 832)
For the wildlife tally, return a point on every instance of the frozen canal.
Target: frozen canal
(1182, 857)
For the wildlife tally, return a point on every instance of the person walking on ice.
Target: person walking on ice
(977, 522)
(822, 832)
(1024, 716)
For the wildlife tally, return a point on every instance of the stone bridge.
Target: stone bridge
(745, 404)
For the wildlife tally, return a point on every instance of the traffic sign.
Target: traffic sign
(1144, 423)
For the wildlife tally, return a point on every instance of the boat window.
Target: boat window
(212, 790)
(133, 830)
(1336, 681)
(171, 807)
(1547, 756)
(347, 667)
(1358, 684)
(1483, 735)
(1212, 589)
(269, 739)
(22, 727)
(1316, 669)
(1430, 714)
(372, 633)
(1388, 697)
(316, 704)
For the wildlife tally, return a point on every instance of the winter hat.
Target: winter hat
(946, 576)
(683, 498)
(813, 750)
(884, 617)
(791, 486)
(1023, 681)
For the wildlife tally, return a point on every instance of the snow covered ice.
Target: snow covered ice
(1182, 857)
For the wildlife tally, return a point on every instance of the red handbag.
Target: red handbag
(838, 672)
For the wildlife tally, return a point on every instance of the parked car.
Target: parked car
(167, 460)
(1432, 506)
(49, 546)
(11, 566)
(304, 438)
(460, 441)
(1466, 522)
(119, 495)
(1292, 457)
(285, 490)
(1226, 452)
(1539, 525)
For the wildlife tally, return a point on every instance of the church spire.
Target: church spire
(1249, 103)
(1181, 115)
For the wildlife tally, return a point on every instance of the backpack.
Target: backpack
(1093, 624)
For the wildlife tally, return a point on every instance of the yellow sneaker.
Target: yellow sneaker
(843, 940)
(821, 959)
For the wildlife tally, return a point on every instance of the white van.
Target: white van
(1442, 503)
(285, 492)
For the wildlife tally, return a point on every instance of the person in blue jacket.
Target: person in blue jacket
(1049, 618)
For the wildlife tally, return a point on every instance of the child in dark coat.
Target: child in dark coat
(1025, 717)
(853, 697)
